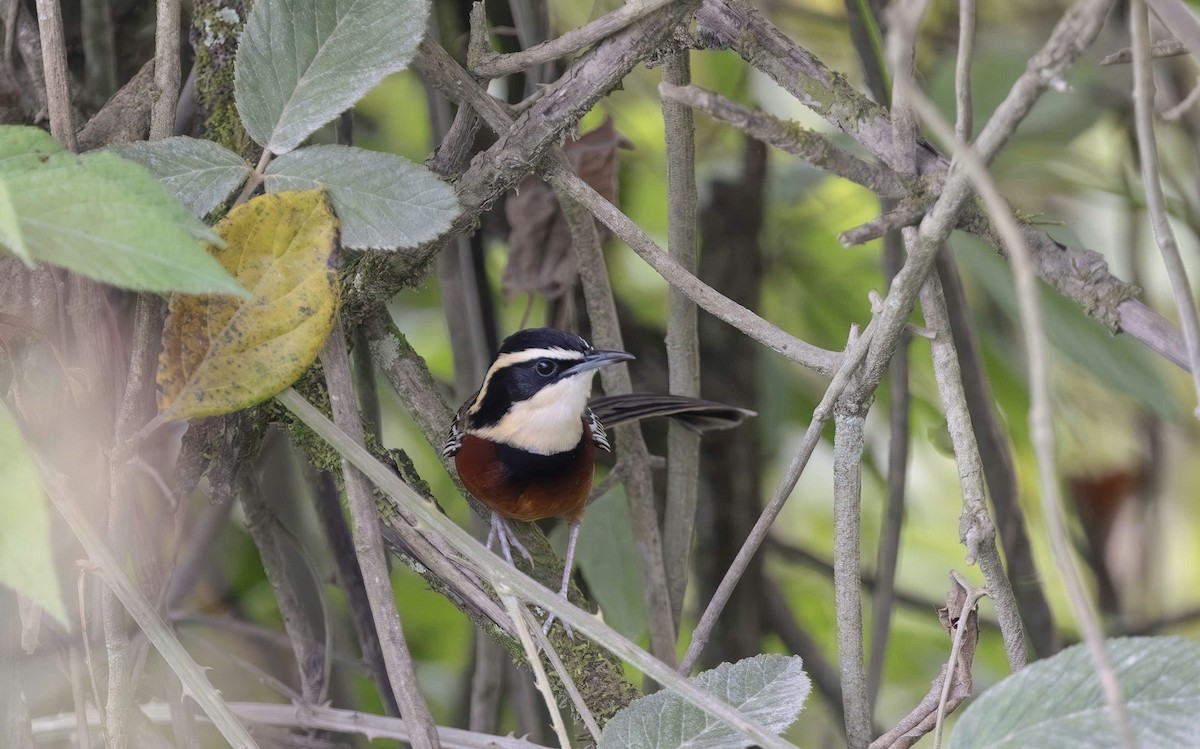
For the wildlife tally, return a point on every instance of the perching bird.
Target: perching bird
(525, 443)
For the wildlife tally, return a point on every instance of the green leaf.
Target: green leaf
(382, 200)
(24, 145)
(1058, 702)
(26, 563)
(607, 558)
(221, 354)
(770, 689)
(200, 173)
(104, 217)
(11, 235)
(300, 63)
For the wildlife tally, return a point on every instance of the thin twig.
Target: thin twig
(564, 676)
(1143, 100)
(770, 335)
(953, 685)
(810, 145)
(369, 547)
(486, 62)
(908, 212)
(14, 714)
(964, 123)
(134, 410)
(58, 81)
(539, 672)
(969, 607)
(59, 728)
(166, 68)
(682, 340)
(998, 470)
(888, 556)
(976, 530)
(159, 634)
(349, 579)
(1161, 48)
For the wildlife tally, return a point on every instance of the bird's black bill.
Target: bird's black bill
(596, 359)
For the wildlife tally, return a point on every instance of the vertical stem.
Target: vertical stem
(166, 68)
(964, 124)
(998, 468)
(368, 544)
(976, 529)
(54, 66)
(848, 442)
(683, 343)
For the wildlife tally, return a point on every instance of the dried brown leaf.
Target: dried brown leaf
(540, 259)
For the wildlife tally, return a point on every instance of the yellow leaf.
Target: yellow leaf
(222, 354)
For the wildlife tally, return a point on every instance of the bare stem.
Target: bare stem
(486, 62)
(368, 544)
(848, 446)
(683, 341)
(54, 65)
(166, 69)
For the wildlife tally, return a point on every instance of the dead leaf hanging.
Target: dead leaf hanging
(540, 257)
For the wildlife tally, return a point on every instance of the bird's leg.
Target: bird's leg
(501, 530)
(572, 537)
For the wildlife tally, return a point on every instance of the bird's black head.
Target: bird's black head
(536, 390)
(547, 338)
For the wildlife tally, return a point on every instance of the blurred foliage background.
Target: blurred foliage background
(1127, 442)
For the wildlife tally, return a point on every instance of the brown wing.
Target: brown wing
(696, 413)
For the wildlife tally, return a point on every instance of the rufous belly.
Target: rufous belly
(527, 492)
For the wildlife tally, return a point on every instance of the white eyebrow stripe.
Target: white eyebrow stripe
(519, 357)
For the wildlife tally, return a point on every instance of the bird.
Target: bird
(525, 443)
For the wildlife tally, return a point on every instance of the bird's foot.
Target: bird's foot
(550, 619)
(508, 540)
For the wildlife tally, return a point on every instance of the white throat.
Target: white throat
(548, 423)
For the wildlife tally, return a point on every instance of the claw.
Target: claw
(501, 530)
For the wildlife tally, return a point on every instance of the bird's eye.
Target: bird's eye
(545, 367)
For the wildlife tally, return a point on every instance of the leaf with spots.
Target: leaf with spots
(221, 354)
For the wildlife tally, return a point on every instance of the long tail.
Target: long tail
(696, 413)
